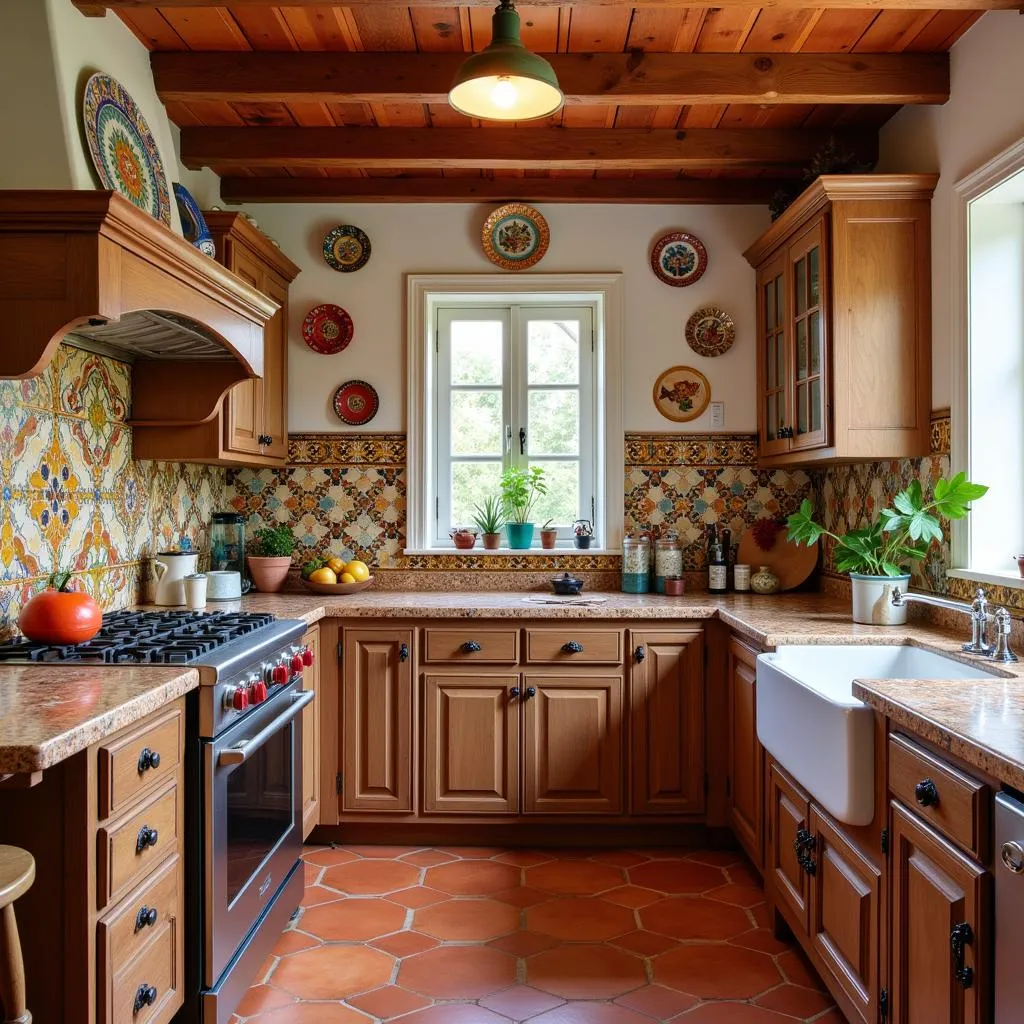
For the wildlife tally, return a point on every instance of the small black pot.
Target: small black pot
(567, 585)
(582, 542)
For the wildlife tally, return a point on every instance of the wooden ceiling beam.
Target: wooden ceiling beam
(463, 190)
(511, 148)
(616, 78)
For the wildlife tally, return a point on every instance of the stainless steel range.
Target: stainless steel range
(245, 768)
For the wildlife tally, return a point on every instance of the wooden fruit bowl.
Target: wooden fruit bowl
(337, 588)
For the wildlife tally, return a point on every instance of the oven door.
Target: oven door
(252, 828)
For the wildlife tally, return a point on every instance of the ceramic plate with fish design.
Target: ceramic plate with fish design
(356, 402)
(710, 332)
(681, 393)
(193, 223)
(122, 147)
(346, 248)
(327, 329)
(679, 258)
(516, 236)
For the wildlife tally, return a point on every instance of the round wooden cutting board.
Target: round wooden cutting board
(792, 563)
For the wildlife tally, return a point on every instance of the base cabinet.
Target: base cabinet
(789, 841)
(311, 737)
(746, 755)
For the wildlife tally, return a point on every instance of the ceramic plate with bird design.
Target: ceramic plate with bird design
(681, 393)
(679, 259)
(516, 236)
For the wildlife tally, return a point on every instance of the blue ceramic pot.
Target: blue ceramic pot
(520, 535)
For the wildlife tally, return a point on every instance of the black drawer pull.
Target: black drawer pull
(926, 793)
(573, 647)
(804, 845)
(514, 692)
(960, 937)
(531, 691)
(471, 647)
(145, 996)
(145, 918)
(403, 652)
(147, 837)
(639, 654)
(148, 759)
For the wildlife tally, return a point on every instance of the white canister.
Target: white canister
(741, 577)
(195, 591)
(223, 585)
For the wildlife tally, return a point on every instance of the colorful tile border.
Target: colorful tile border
(665, 449)
(347, 450)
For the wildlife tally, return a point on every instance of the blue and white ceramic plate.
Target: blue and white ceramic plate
(123, 148)
(193, 223)
(679, 258)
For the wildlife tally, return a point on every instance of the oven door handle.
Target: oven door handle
(240, 753)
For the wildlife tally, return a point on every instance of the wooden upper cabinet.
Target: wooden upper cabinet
(941, 928)
(844, 322)
(667, 708)
(746, 755)
(377, 720)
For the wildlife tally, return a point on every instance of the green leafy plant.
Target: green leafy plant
(488, 517)
(901, 534)
(548, 526)
(273, 542)
(520, 489)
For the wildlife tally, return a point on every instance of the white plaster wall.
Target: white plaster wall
(445, 238)
(984, 115)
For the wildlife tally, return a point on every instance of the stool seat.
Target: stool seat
(17, 872)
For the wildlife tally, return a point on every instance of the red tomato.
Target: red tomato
(60, 617)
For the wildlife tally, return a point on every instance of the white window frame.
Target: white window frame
(966, 191)
(426, 293)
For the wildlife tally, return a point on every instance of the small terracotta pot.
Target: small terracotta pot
(548, 538)
(463, 539)
(492, 541)
(268, 574)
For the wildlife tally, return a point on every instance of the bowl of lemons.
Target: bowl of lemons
(336, 576)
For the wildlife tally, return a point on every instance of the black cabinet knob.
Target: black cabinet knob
(144, 996)
(147, 837)
(471, 647)
(927, 793)
(145, 918)
(148, 759)
(573, 647)
(531, 691)
(514, 692)
(403, 652)
(639, 654)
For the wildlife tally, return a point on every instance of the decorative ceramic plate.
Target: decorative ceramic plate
(355, 402)
(346, 248)
(681, 393)
(679, 259)
(516, 236)
(193, 223)
(123, 148)
(327, 329)
(710, 332)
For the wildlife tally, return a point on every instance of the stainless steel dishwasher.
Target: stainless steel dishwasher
(1009, 869)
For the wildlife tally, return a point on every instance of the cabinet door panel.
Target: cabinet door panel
(311, 738)
(746, 755)
(573, 744)
(845, 903)
(243, 404)
(471, 754)
(377, 723)
(935, 889)
(788, 810)
(773, 359)
(667, 701)
(274, 414)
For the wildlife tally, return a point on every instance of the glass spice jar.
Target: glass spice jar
(636, 564)
(668, 559)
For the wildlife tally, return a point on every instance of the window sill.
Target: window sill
(1003, 579)
(512, 551)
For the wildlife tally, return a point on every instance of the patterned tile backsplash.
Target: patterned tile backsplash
(73, 497)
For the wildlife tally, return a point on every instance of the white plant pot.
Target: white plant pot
(872, 599)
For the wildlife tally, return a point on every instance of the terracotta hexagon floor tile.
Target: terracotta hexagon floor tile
(525, 858)
(675, 877)
(523, 943)
(523, 896)
(520, 1002)
(733, 1013)
(738, 895)
(716, 971)
(716, 858)
(473, 852)
(795, 1000)
(645, 943)
(585, 972)
(574, 877)
(795, 967)
(261, 998)
(692, 917)
(294, 942)
(743, 873)
(657, 1001)
(417, 896)
(353, 920)
(317, 894)
(631, 896)
(762, 940)
(403, 944)
(455, 1013)
(428, 858)
(327, 856)
(385, 1003)
(311, 873)
(581, 919)
(383, 852)
(620, 858)
(371, 877)
(467, 920)
(315, 1013)
(591, 1013)
(458, 972)
(333, 972)
(473, 877)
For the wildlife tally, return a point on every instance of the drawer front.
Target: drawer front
(568, 646)
(126, 931)
(471, 646)
(128, 850)
(139, 761)
(149, 990)
(953, 802)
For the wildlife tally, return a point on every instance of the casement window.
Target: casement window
(513, 379)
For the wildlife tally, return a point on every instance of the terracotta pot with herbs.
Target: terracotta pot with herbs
(489, 519)
(270, 558)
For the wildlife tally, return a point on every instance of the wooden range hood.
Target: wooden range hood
(89, 268)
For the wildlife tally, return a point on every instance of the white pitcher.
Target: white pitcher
(170, 569)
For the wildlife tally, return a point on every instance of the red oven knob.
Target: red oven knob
(259, 692)
(297, 664)
(279, 674)
(307, 657)
(240, 699)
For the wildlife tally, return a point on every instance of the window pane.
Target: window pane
(554, 351)
(815, 288)
(816, 421)
(801, 409)
(476, 423)
(800, 275)
(554, 423)
(476, 351)
(471, 483)
(771, 418)
(780, 353)
(769, 305)
(801, 349)
(815, 319)
(770, 382)
(562, 502)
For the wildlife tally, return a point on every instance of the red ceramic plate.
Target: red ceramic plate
(327, 329)
(355, 402)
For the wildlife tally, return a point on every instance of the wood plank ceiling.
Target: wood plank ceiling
(266, 98)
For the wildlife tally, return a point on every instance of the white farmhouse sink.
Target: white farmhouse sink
(810, 722)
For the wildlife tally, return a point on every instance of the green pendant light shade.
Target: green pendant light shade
(505, 81)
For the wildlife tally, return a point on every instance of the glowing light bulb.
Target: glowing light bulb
(504, 95)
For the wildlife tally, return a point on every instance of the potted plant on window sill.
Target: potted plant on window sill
(548, 536)
(489, 521)
(270, 558)
(876, 556)
(520, 489)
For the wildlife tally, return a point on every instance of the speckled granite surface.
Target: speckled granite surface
(47, 713)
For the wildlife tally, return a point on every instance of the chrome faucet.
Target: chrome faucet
(978, 611)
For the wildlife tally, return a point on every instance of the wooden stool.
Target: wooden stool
(17, 872)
